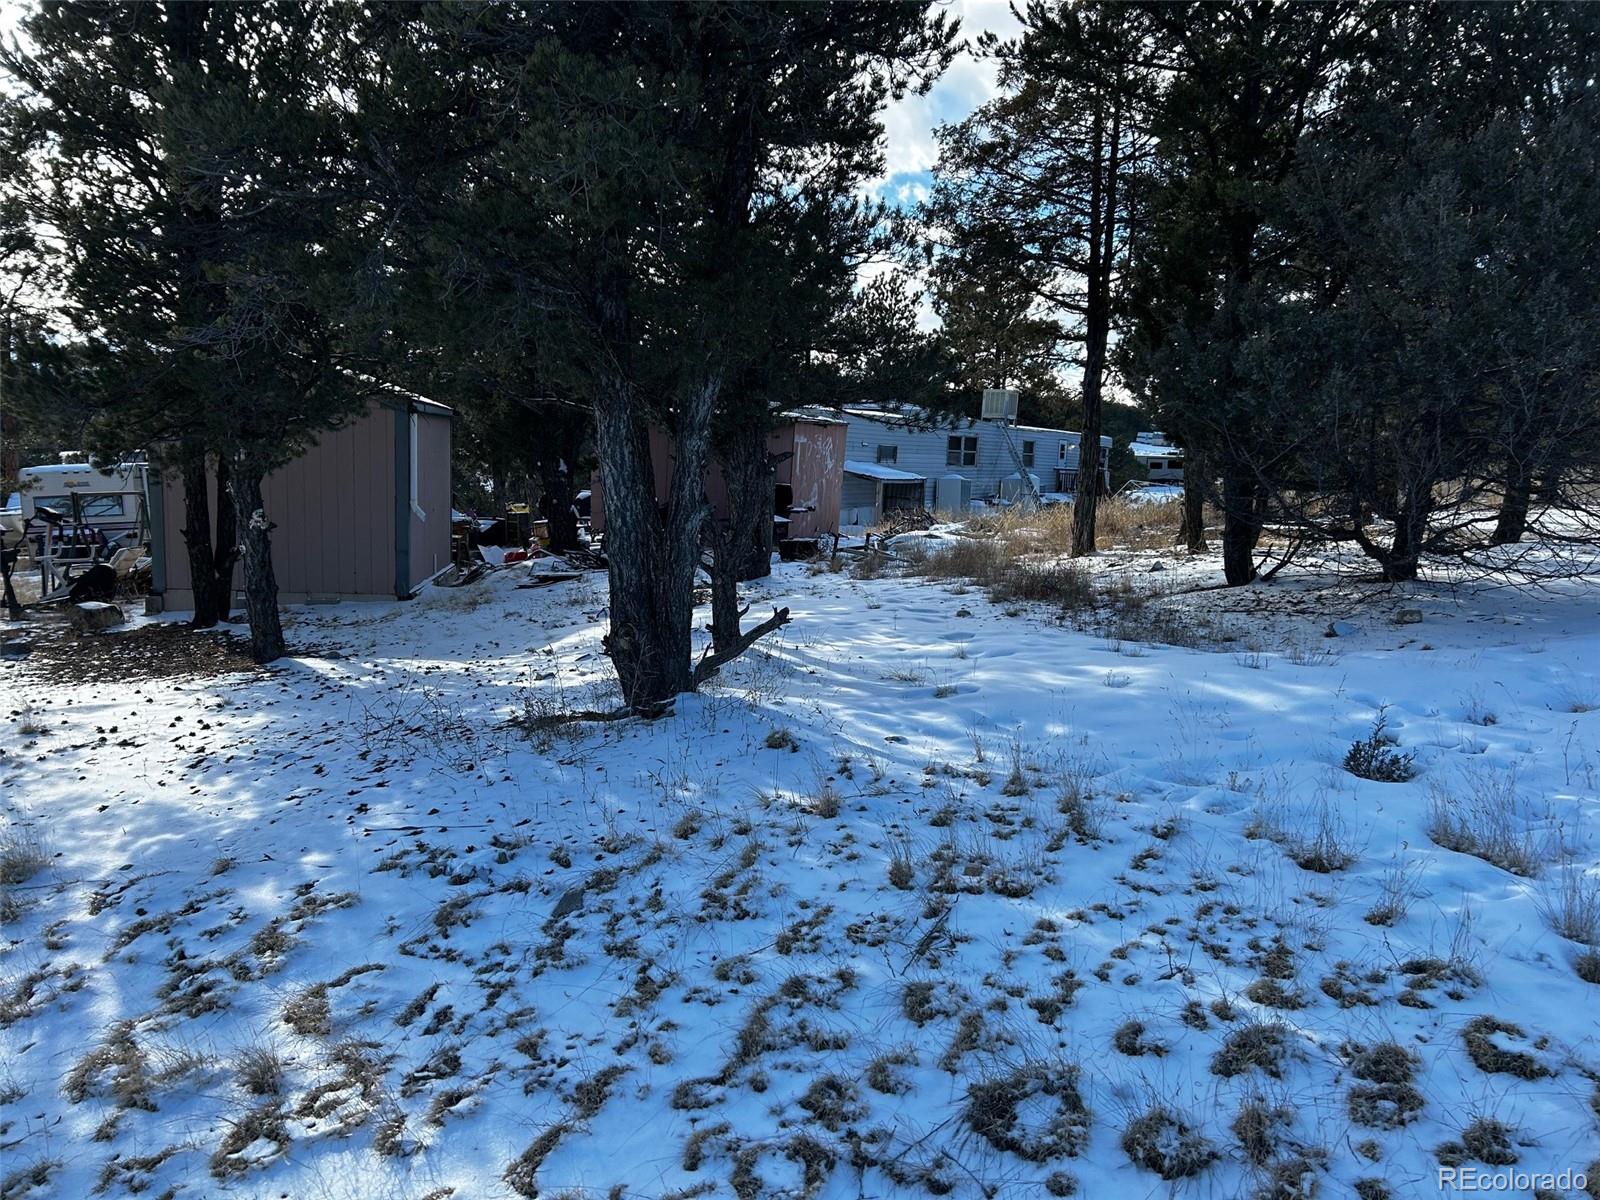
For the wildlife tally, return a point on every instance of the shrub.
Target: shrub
(1375, 756)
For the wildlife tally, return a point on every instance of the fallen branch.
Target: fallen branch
(711, 663)
(649, 712)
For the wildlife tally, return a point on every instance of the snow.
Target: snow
(867, 470)
(805, 915)
(1152, 493)
(1149, 450)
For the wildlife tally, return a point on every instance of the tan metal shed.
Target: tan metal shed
(364, 514)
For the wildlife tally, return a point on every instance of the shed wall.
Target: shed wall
(430, 533)
(814, 475)
(335, 525)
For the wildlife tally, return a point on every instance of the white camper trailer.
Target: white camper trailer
(110, 501)
(72, 515)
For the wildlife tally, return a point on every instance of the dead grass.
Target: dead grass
(1386, 1099)
(1572, 906)
(1260, 1046)
(1488, 818)
(1256, 1128)
(259, 1071)
(1120, 522)
(1015, 558)
(1490, 1056)
(261, 1124)
(1485, 1139)
(21, 858)
(1396, 891)
(308, 1013)
(1168, 1143)
(1035, 1111)
(24, 1180)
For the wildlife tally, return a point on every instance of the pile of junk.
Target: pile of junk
(480, 544)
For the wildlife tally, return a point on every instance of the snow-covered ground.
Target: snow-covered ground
(926, 896)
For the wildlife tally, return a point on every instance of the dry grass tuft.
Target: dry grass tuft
(1162, 1141)
(259, 1071)
(1487, 818)
(1488, 1055)
(1035, 1112)
(1260, 1046)
(1572, 906)
(21, 858)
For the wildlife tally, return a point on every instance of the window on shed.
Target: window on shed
(961, 452)
(416, 489)
(888, 454)
(1027, 453)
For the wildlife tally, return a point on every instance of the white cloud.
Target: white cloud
(910, 147)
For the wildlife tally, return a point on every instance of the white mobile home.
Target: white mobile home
(914, 459)
(1162, 461)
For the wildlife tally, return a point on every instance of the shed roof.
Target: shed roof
(878, 471)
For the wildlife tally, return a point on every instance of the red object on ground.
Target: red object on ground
(515, 556)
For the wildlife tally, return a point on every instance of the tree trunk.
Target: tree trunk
(1512, 523)
(1241, 525)
(209, 607)
(1103, 201)
(1192, 522)
(1400, 562)
(260, 583)
(651, 557)
(225, 545)
(738, 550)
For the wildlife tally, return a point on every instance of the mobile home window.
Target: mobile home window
(888, 454)
(961, 452)
(1027, 454)
(1061, 452)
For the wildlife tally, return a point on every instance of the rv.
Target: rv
(78, 495)
(1162, 461)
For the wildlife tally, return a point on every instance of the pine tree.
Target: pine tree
(1437, 354)
(1246, 83)
(633, 158)
(195, 175)
(1035, 196)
